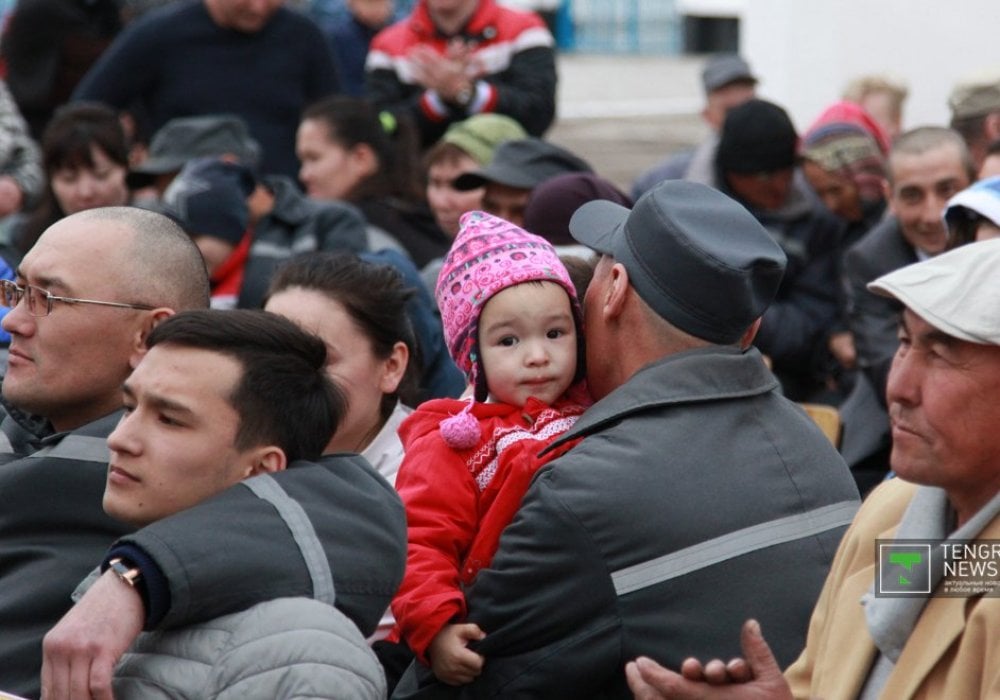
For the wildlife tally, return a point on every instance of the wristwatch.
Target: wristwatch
(129, 574)
(463, 98)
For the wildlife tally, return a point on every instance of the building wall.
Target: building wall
(806, 51)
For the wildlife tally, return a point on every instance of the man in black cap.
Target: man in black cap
(756, 164)
(697, 492)
(517, 168)
(931, 629)
(728, 82)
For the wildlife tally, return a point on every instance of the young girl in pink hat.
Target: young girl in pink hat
(513, 325)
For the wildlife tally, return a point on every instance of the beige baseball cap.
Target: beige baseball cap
(975, 96)
(957, 292)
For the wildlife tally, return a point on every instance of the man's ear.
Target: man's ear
(747, 338)
(616, 292)
(266, 459)
(887, 191)
(150, 320)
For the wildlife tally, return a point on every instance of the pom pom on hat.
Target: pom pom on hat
(461, 431)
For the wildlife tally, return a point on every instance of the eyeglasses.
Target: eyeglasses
(40, 301)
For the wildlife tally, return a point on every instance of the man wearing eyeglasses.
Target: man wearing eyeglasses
(86, 297)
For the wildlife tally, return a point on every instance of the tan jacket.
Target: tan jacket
(953, 652)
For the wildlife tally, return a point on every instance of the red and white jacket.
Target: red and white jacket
(513, 48)
(458, 502)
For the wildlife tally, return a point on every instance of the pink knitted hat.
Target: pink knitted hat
(487, 256)
(847, 112)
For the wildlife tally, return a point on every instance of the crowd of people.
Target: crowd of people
(328, 375)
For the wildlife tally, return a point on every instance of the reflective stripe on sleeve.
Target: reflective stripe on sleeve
(731, 545)
(266, 488)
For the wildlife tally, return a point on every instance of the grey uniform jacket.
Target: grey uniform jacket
(698, 497)
(335, 524)
(52, 532)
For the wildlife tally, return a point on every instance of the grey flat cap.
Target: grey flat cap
(697, 257)
(723, 69)
(976, 96)
(185, 138)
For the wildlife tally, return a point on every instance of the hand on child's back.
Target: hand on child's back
(451, 659)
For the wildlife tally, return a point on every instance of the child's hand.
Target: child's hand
(451, 659)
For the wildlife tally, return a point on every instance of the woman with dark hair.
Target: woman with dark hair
(359, 309)
(350, 151)
(85, 158)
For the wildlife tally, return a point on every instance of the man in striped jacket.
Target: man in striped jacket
(451, 59)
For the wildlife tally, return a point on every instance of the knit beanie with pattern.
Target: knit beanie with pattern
(487, 256)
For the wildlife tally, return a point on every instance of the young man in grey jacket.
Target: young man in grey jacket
(219, 398)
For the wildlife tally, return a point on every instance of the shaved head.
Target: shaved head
(161, 264)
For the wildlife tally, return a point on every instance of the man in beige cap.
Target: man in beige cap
(879, 629)
(975, 112)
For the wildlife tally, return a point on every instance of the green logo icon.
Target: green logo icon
(907, 560)
(903, 568)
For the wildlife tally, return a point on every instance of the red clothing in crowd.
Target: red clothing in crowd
(458, 502)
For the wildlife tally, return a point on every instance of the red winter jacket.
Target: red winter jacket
(459, 501)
